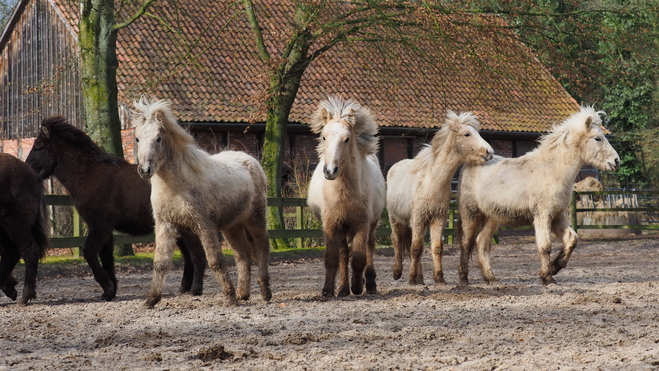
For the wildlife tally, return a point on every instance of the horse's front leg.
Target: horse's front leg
(358, 258)
(437, 246)
(241, 247)
(569, 237)
(484, 246)
(542, 225)
(162, 261)
(96, 241)
(416, 252)
(261, 248)
(210, 240)
(331, 262)
(369, 272)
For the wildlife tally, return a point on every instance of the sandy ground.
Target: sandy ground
(603, 314)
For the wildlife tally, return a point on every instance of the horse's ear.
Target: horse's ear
(324, 115)
(158, 116)
(589, 122)
(45, 131)
(351, 117)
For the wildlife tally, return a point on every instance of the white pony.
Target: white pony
(531, 189)
(419, 191)
(347, 192)
(206, 194)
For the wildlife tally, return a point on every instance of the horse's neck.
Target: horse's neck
(559, 161)
(72, 170)
(440, 169)
(349, 183)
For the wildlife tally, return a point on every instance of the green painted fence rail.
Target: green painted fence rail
(649, 207)
(301, 231)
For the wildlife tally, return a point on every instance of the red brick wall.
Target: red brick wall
(17, 147)
(502, 147)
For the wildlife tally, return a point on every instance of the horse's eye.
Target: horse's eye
(323, 138)
(467, 134)
(158, 140)
(137, 140)
(346, 140)
(598, 139)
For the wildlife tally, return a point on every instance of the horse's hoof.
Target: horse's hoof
(10, 292)
(108, 296)
(151, 301)
(398, 274)
(196, 291)
(327, 293)
(244, 296)
(266, 294)
(233, 302)
(439, 281)
(548, 280)
(463, 283)
(371, 288)
(147, 305)
(556, 267)
(416, 281)
(343, 292)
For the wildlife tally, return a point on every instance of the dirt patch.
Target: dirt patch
(602, 314)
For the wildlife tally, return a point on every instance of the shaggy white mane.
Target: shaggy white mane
(426, 156)
(576, 124)
(365, 127)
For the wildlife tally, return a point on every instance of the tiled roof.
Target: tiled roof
(496, 77)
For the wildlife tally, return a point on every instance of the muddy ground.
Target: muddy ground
(602, 314)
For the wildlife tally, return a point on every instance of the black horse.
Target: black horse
(23, 225)
(109, 195)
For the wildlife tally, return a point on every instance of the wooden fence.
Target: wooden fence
(646, 203)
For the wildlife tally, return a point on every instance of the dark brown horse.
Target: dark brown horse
(23, 225)
(109, 195)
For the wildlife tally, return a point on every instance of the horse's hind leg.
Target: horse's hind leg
(162, 261)
(31, 258)
(467, 226)
(260, 244)
(416, 252)
(437, 246)
(401, 239)
(237, 239)
(484, 246)
(194, 261)
(569, 237)
(7, 263)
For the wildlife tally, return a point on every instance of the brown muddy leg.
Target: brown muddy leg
(543, 240)
(344, 260)
(416, 252)
(437, 248)
(261, 249)
(7, 264)
(369, 272)
(401, 238)
(484, 246)
(569, 237)
(358, 259)
(210, 239)
(162, 263)
(331, 264)
(237, 239)
(467, 232)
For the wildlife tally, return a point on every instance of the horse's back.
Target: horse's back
(378, 188)
(315, 199)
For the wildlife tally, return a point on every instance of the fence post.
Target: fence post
(451, 218)
(573, 210)
(299, 224)
(77, 231)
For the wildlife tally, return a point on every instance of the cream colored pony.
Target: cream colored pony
(531, 189)
(207, 194)
(347, 192)
(419, 191)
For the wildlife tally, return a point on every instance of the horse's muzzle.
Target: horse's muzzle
(331, 174)
(144, 171)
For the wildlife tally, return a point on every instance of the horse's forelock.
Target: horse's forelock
(335, 107)
(464, 118)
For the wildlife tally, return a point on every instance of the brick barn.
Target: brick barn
(216, 94)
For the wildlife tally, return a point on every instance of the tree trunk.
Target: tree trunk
(97, 41)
